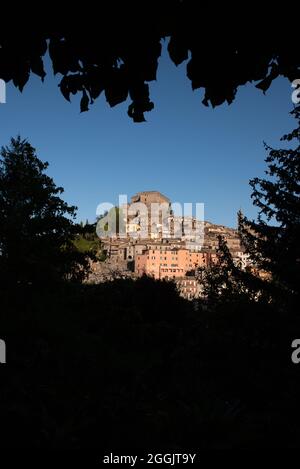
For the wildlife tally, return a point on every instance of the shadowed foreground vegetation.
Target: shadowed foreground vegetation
(130, 364)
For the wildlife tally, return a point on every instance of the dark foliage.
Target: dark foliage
(131, 365)
(226, 283)
(36, 224)
(118, 53)
(273, 240)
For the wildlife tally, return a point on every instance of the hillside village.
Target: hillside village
(171, 248)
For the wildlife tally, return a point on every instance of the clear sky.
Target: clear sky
(187, 151)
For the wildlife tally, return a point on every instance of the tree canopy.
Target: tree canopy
(119, 54)
(37, 230)
(273, 239)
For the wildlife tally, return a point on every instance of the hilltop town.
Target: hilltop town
(157, 243)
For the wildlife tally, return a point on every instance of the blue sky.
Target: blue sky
(187, 151)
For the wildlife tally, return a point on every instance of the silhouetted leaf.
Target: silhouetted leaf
(84, 103)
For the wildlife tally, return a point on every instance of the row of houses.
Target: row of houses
(171, 263)
(161, 254)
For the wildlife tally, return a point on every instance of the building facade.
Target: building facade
(170, 263)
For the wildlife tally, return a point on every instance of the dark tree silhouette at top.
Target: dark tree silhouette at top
(119, 53)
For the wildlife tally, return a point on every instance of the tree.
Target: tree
(37, 227)
(118, 55)
(273, 239)
(225, 281)
(87, 241)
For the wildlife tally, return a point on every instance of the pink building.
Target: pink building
(170, 264)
